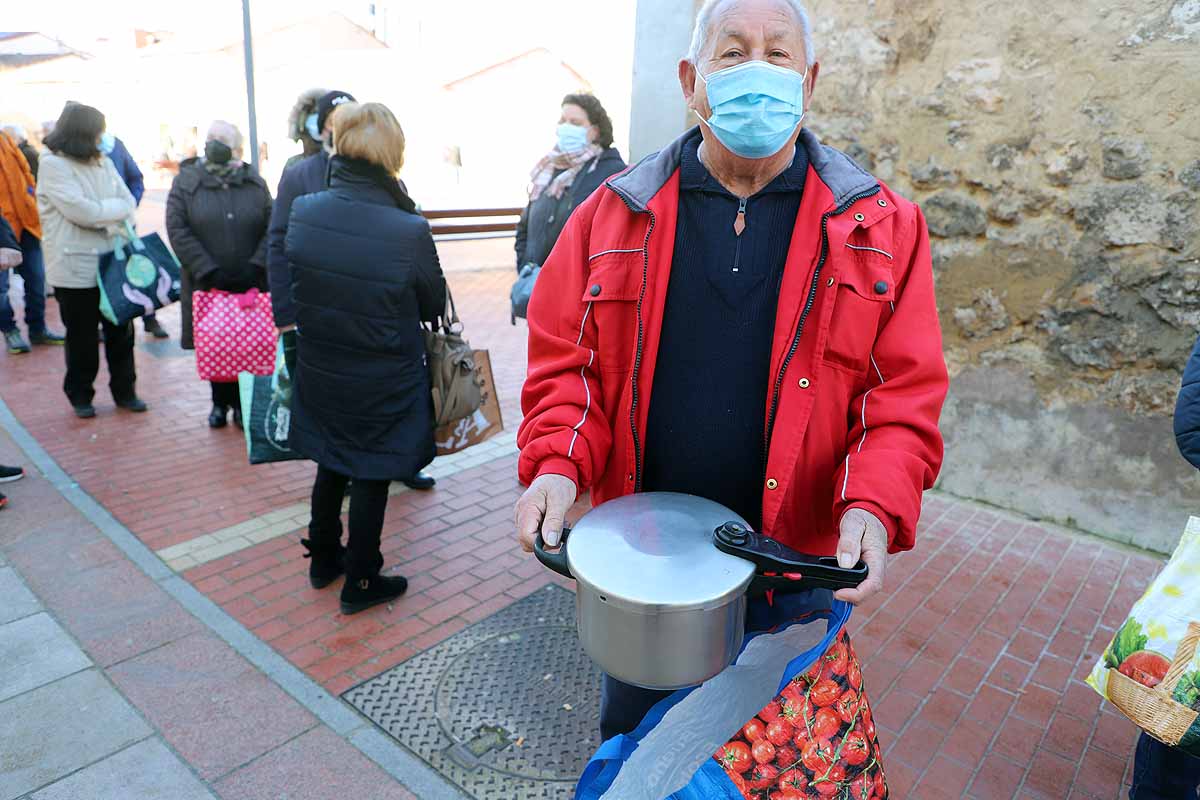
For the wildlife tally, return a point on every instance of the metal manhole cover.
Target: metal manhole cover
(507, 708)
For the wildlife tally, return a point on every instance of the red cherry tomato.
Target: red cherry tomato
(824, 693)
(847, 706)
(754, 730)
(862, 788)
(786, 756)
(779, 732)
(828, 783)
(763, 751)
(855, 749)
(735, 757)
(800, 740)
(835, 659)
(763, 776)
(826, 724)
(868, 727)
(793, 780)
(818, 755)
(854, 675)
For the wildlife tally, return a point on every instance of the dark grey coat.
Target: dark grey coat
(218, 230)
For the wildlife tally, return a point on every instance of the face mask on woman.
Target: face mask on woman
(107, 143)
(572, 137)
(310, 127)
(217, 152)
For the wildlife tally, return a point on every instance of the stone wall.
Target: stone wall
(1055, 150)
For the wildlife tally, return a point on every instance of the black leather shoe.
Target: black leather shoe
(217, 417)
(237, 418)
(326, 566)
(359, 595)
(84, 411)
(135, 404)
(422, 482)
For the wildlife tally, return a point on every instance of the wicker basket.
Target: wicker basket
(1153, 710)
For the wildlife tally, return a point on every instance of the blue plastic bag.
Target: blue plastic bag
(669, 756)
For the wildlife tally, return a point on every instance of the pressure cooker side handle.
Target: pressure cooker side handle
(556, 561)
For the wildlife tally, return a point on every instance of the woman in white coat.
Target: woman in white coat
(83, 202)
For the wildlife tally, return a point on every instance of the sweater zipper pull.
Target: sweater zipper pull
(739, 222)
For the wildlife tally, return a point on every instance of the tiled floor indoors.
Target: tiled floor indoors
(974, 658)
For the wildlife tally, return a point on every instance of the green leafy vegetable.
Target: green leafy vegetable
(1128, 640)
(1187, 691)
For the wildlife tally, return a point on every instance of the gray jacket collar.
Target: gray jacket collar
(836, 170)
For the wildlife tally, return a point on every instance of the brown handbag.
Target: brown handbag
(456, 390)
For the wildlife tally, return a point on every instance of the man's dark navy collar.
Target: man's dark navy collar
(694, 177)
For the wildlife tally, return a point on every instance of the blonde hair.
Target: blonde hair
(369, 131)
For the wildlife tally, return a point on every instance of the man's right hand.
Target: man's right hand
(10, 258)
(544, 507)
(285, 329)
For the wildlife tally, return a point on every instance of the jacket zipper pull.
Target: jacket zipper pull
(739, 222)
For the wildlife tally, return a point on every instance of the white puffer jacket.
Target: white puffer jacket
(82, 205)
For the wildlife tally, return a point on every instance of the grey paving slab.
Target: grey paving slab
(16, 601)
(56, 729)
(35, 651)
(212, 707)
(316, 766)
(146, 771)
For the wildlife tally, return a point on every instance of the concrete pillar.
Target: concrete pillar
(658, 115)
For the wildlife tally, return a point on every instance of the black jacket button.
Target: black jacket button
(596, 290)
(881, 287)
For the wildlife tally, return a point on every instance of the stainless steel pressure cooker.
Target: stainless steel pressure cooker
(663, 580)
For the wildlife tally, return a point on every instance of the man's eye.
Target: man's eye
(732, 54)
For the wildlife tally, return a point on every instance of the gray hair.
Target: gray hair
(226, 132)
(704, 22)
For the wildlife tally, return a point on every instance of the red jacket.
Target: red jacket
(858, 378)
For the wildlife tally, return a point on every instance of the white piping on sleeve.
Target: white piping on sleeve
(586, 389)
(606, 252)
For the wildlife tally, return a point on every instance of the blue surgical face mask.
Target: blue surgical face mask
(756, 107)
(572, 137)
(310, 127)
(107, 143)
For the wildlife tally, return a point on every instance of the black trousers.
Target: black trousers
(368, 502)
(225, 394)
(80, 311)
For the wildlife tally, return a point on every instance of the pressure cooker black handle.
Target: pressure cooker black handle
(780, 568)
(556, 561)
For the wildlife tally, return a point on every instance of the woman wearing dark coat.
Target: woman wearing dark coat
(582, 159)
(217, 215)
(364, 275)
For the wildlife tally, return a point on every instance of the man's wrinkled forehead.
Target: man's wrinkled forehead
(742, 20)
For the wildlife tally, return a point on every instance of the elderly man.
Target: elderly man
(747, 316)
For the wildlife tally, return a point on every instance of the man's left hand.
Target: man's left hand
(863, 538)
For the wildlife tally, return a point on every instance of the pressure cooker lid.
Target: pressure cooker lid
(654, 550)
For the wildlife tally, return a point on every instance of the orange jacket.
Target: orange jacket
(18, 197)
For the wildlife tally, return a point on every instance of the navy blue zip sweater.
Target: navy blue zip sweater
(705, 430)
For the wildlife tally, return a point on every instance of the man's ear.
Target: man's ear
(687, 81)
(811, 88)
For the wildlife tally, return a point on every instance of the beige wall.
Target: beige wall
(1055, 150)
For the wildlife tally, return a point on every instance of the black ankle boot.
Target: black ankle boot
(359, 595)
(326, 564)
(217, 417)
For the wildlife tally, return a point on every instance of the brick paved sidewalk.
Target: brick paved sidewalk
(975, 658)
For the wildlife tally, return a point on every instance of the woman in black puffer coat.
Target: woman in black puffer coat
(217, 215)
(364, 273)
